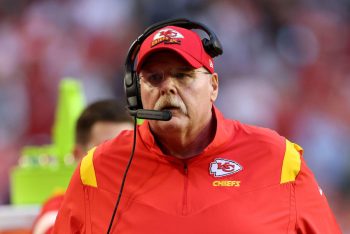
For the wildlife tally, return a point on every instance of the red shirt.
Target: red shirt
(46, 219)
(247, 180)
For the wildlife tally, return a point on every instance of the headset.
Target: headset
(131, 80)
(132, 88)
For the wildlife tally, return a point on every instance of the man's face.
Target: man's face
(103, 130)
(100, 132)
(168, 82)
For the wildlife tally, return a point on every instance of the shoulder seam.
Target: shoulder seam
(87, 170)
(291, 162)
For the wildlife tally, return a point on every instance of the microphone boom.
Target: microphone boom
(164, 115)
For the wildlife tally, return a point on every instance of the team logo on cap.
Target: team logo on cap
(223, 167)
(168, 36)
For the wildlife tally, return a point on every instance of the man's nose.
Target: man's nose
(168, 85)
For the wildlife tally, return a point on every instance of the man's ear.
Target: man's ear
(215, 87)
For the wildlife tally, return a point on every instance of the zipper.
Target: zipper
(184, 199)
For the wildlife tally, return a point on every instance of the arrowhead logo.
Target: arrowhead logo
(167, 36)
(224, 167)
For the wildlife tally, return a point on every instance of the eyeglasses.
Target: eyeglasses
(181, 76)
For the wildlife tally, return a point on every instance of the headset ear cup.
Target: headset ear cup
(131, 86)
(212, 47)
(139, 101)
(206, 44)
(208, 47)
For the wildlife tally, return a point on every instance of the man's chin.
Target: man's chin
(176, 122)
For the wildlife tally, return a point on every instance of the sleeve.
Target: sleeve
(74, 213)
(312, 210)
(46, 219)
(71, 215)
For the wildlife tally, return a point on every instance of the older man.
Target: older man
(197, 172)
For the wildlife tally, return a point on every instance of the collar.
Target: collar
(225, 130)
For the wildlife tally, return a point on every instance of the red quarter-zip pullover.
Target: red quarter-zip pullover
(248, 180)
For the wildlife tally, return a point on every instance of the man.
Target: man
(198, 172)
(100, 121)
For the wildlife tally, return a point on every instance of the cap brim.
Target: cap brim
(188, 58)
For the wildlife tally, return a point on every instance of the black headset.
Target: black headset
(131, 81)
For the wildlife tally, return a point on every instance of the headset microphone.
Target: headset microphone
(164, 115)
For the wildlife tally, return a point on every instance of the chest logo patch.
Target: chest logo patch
(224, 167)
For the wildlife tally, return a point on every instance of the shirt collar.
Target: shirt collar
(224, 133)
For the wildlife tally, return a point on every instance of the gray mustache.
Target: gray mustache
(170, 101)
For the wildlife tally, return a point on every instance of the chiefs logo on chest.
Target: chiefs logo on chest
(223, 167)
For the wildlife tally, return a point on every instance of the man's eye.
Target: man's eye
(181, 75)
(155, 78)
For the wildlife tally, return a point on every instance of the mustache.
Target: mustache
(170, 101)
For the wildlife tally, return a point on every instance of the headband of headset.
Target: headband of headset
(212, 46)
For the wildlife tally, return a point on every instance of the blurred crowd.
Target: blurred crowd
(286, 66)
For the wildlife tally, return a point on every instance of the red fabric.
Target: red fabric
(52, 204)
(182, 41)
(163, 194)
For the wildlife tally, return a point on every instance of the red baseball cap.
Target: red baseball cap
(184, 42)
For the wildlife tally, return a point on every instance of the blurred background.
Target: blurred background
(286, 66)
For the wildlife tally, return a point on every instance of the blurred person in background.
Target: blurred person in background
(100, 121)
(199, 172)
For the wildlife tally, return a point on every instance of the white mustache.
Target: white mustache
(170, 101)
